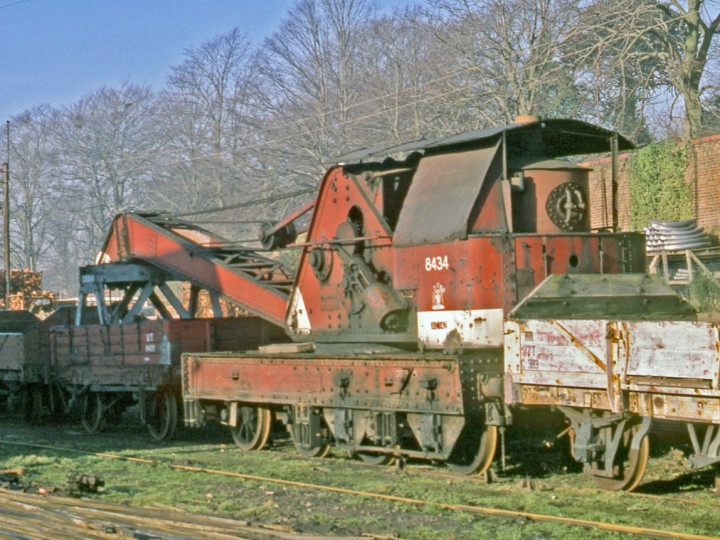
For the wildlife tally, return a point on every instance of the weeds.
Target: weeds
(318, 512)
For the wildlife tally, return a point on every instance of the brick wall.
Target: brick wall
(707, 203)
(706, 194)
(601, 193)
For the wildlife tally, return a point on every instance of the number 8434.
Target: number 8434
(439, 262)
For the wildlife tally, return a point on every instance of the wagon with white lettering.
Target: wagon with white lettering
(612, 378)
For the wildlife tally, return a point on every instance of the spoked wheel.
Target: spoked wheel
(301, 439)
(253, 427)
(161, 414)
(474, 450)
(93, 417)
(628, 466)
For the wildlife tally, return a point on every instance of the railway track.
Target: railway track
(94, 517)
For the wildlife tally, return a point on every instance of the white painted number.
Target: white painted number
(436, 263)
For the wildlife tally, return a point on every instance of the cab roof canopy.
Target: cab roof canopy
(541, 139)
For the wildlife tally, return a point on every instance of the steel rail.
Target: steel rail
(487, 511)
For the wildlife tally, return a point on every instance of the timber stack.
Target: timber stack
(26, 292)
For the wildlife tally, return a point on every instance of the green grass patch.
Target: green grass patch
(571, 495)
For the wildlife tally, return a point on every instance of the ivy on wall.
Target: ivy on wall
(657, 185)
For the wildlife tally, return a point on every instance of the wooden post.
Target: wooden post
(6, 220)
(6, 231)
(614, 181)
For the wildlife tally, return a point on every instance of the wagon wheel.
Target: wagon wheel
(376, 458)
(114, 412)
(162, 414)
(33, 404)
(474, 450)
(253, 427)
(628, 466)
(93, 417)
(571, 441)
(300, 436)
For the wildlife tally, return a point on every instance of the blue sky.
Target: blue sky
(56, 51)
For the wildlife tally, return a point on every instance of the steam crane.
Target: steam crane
(414, 256)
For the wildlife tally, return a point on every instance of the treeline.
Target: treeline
(237, 123)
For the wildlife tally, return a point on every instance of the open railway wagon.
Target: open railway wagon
(104, 356)
(413, 258)
(112, 356)
(648, 358)
(25, 371)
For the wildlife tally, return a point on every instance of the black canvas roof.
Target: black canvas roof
(551, 138)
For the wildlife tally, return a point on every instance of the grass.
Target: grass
(569, 494)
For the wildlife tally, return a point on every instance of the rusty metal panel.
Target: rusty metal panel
(585, 296)
(537, 256)
(553, 199)
(390, 382)
(576, 254)
(470, 273)
(322, 304)
(244, 334)
(442, 195)
(12, 355)
(687, 407)
(123, 355)
(562, 346)
(15, 338)
(621, 253)
(24, 345)
(530, 263)
(585, 398)
(257, 283)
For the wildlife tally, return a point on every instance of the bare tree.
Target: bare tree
(615, 72)
(411, 88)
(33, 185)
(666, 45)
(107, 143)
(207, 115)
(688, 29)
(512, 54)
(313, 67)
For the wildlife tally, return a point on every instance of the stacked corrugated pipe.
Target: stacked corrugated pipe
(675, 236)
